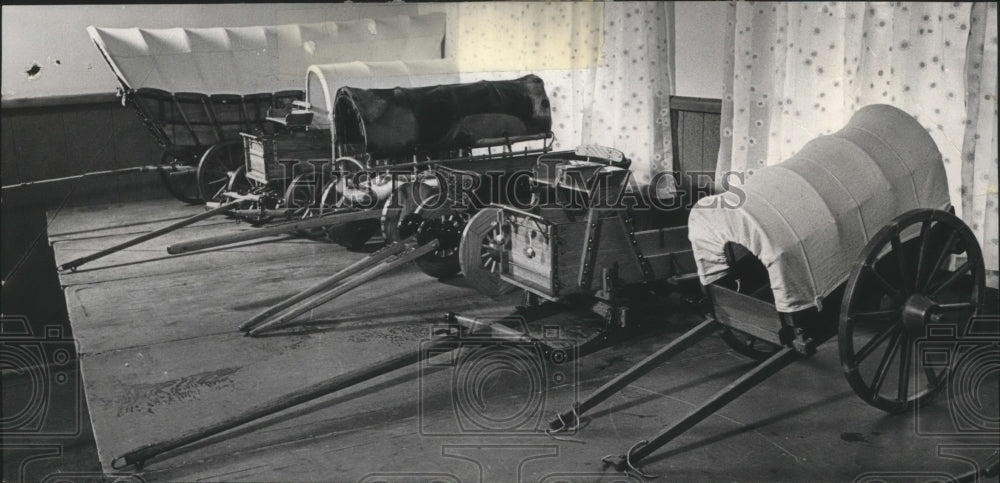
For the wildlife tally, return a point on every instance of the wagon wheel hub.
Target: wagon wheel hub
(917, 312)
(447, 230)
(493, 244)
(480, 252)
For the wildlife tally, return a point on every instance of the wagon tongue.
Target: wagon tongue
(365, 270)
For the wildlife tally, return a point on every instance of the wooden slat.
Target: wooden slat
(696, 104)
(711, 137)
(746, 313)
(663, 240)
(691, 134)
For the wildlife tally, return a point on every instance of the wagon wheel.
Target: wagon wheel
(353, 235)
(401, 203)
(218, 165)
(182, 184)
(748, 345)
(479, 253)
(900, 285)
(239, 183)
(436, 220)
(302, 198)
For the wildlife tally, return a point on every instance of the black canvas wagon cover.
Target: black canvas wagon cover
(443, 117)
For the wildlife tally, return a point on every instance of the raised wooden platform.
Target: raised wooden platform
(160, 355)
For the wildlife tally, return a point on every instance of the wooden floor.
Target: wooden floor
(160, 355)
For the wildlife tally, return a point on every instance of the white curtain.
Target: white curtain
(796, 71)
(979, 146)
(606, 66)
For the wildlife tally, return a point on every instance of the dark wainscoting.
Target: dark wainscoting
(53, 137)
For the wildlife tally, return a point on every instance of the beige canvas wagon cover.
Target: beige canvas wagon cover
(249, 60)
(808, 218)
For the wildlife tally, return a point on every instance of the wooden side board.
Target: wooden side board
(695, 130)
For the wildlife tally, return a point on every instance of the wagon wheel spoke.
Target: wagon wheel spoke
(221, 165)
(933, 378)
(904, 271)
(903, 384)
(301, 200)
(877, 316)
(489, 263)
(479, 253)
(922, 254)
(945, 251)
(218, 183)
(955, 276)
(887, 287)
(874, 343)
(883, 366)
(217, 193)
(222, 178)
(490, 251)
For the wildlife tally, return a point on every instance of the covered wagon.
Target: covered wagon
(198, 88)
(853, 237)
(417, 163)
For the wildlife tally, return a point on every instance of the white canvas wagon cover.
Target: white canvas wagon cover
(808, 218)
(260, 59)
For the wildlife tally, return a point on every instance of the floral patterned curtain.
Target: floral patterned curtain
(796, 71)
(979, 146)
(630, 104)
(606, 67)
